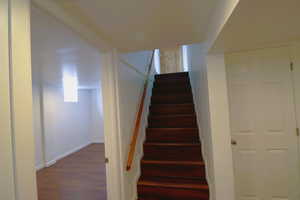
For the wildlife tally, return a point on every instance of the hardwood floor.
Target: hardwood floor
(80, 176)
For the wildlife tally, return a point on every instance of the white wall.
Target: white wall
(37, 126)
(139, 60)
(222, 12)
(208, 79)
(97, 127)
(198, 77)
(130, 87)
(220, 127)
(67, 126)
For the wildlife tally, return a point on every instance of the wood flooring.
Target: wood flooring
(80, 176)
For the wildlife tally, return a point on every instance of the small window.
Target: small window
(157, 61)
(185, 58)
(70, 86)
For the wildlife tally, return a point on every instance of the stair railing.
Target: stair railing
(136, 129)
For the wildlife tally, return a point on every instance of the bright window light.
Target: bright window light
(70, 85)
(185, 58)
(157, 61)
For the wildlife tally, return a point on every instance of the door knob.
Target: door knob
(233, 142)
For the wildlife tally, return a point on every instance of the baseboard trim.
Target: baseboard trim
(97, 142)
(72, 151)
(52, 162)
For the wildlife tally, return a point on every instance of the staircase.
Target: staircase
(172, 167)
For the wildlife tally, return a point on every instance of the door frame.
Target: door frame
(17, 101)
(114, 172)
(294, 68)
(295, 71)
(16, 113)
(7, 190)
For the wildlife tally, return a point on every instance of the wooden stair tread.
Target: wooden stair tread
(163, 162)
(193, 184)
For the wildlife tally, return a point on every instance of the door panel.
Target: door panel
(263, 124)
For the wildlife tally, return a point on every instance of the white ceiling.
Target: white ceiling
(258, 24)
(133, 25)
(55, 49)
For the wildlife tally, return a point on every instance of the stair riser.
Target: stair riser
(172, 136)
(172, 122)
(173, 153)
(171, 99)
(178, 91)
(172, 87)
(171, 90)
(172, 194)
(171, 76)
(180, 84)
(179, 171)
(171, 110)
(179, 81)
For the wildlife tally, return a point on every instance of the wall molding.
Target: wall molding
(98, 141)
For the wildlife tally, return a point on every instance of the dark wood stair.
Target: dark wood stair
(172, 109)
(172, 167)
(175, 169)
(172, 121)
(174, 135)
(172, 98)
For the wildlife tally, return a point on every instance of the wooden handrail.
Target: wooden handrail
(138, 119)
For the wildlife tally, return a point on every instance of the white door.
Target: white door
(263, 125)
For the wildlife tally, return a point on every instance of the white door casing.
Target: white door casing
(114, 175)
(7, 189)
(263, 124)
(17, 173)
(295, 55)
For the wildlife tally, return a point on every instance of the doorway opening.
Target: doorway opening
(68, 112)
